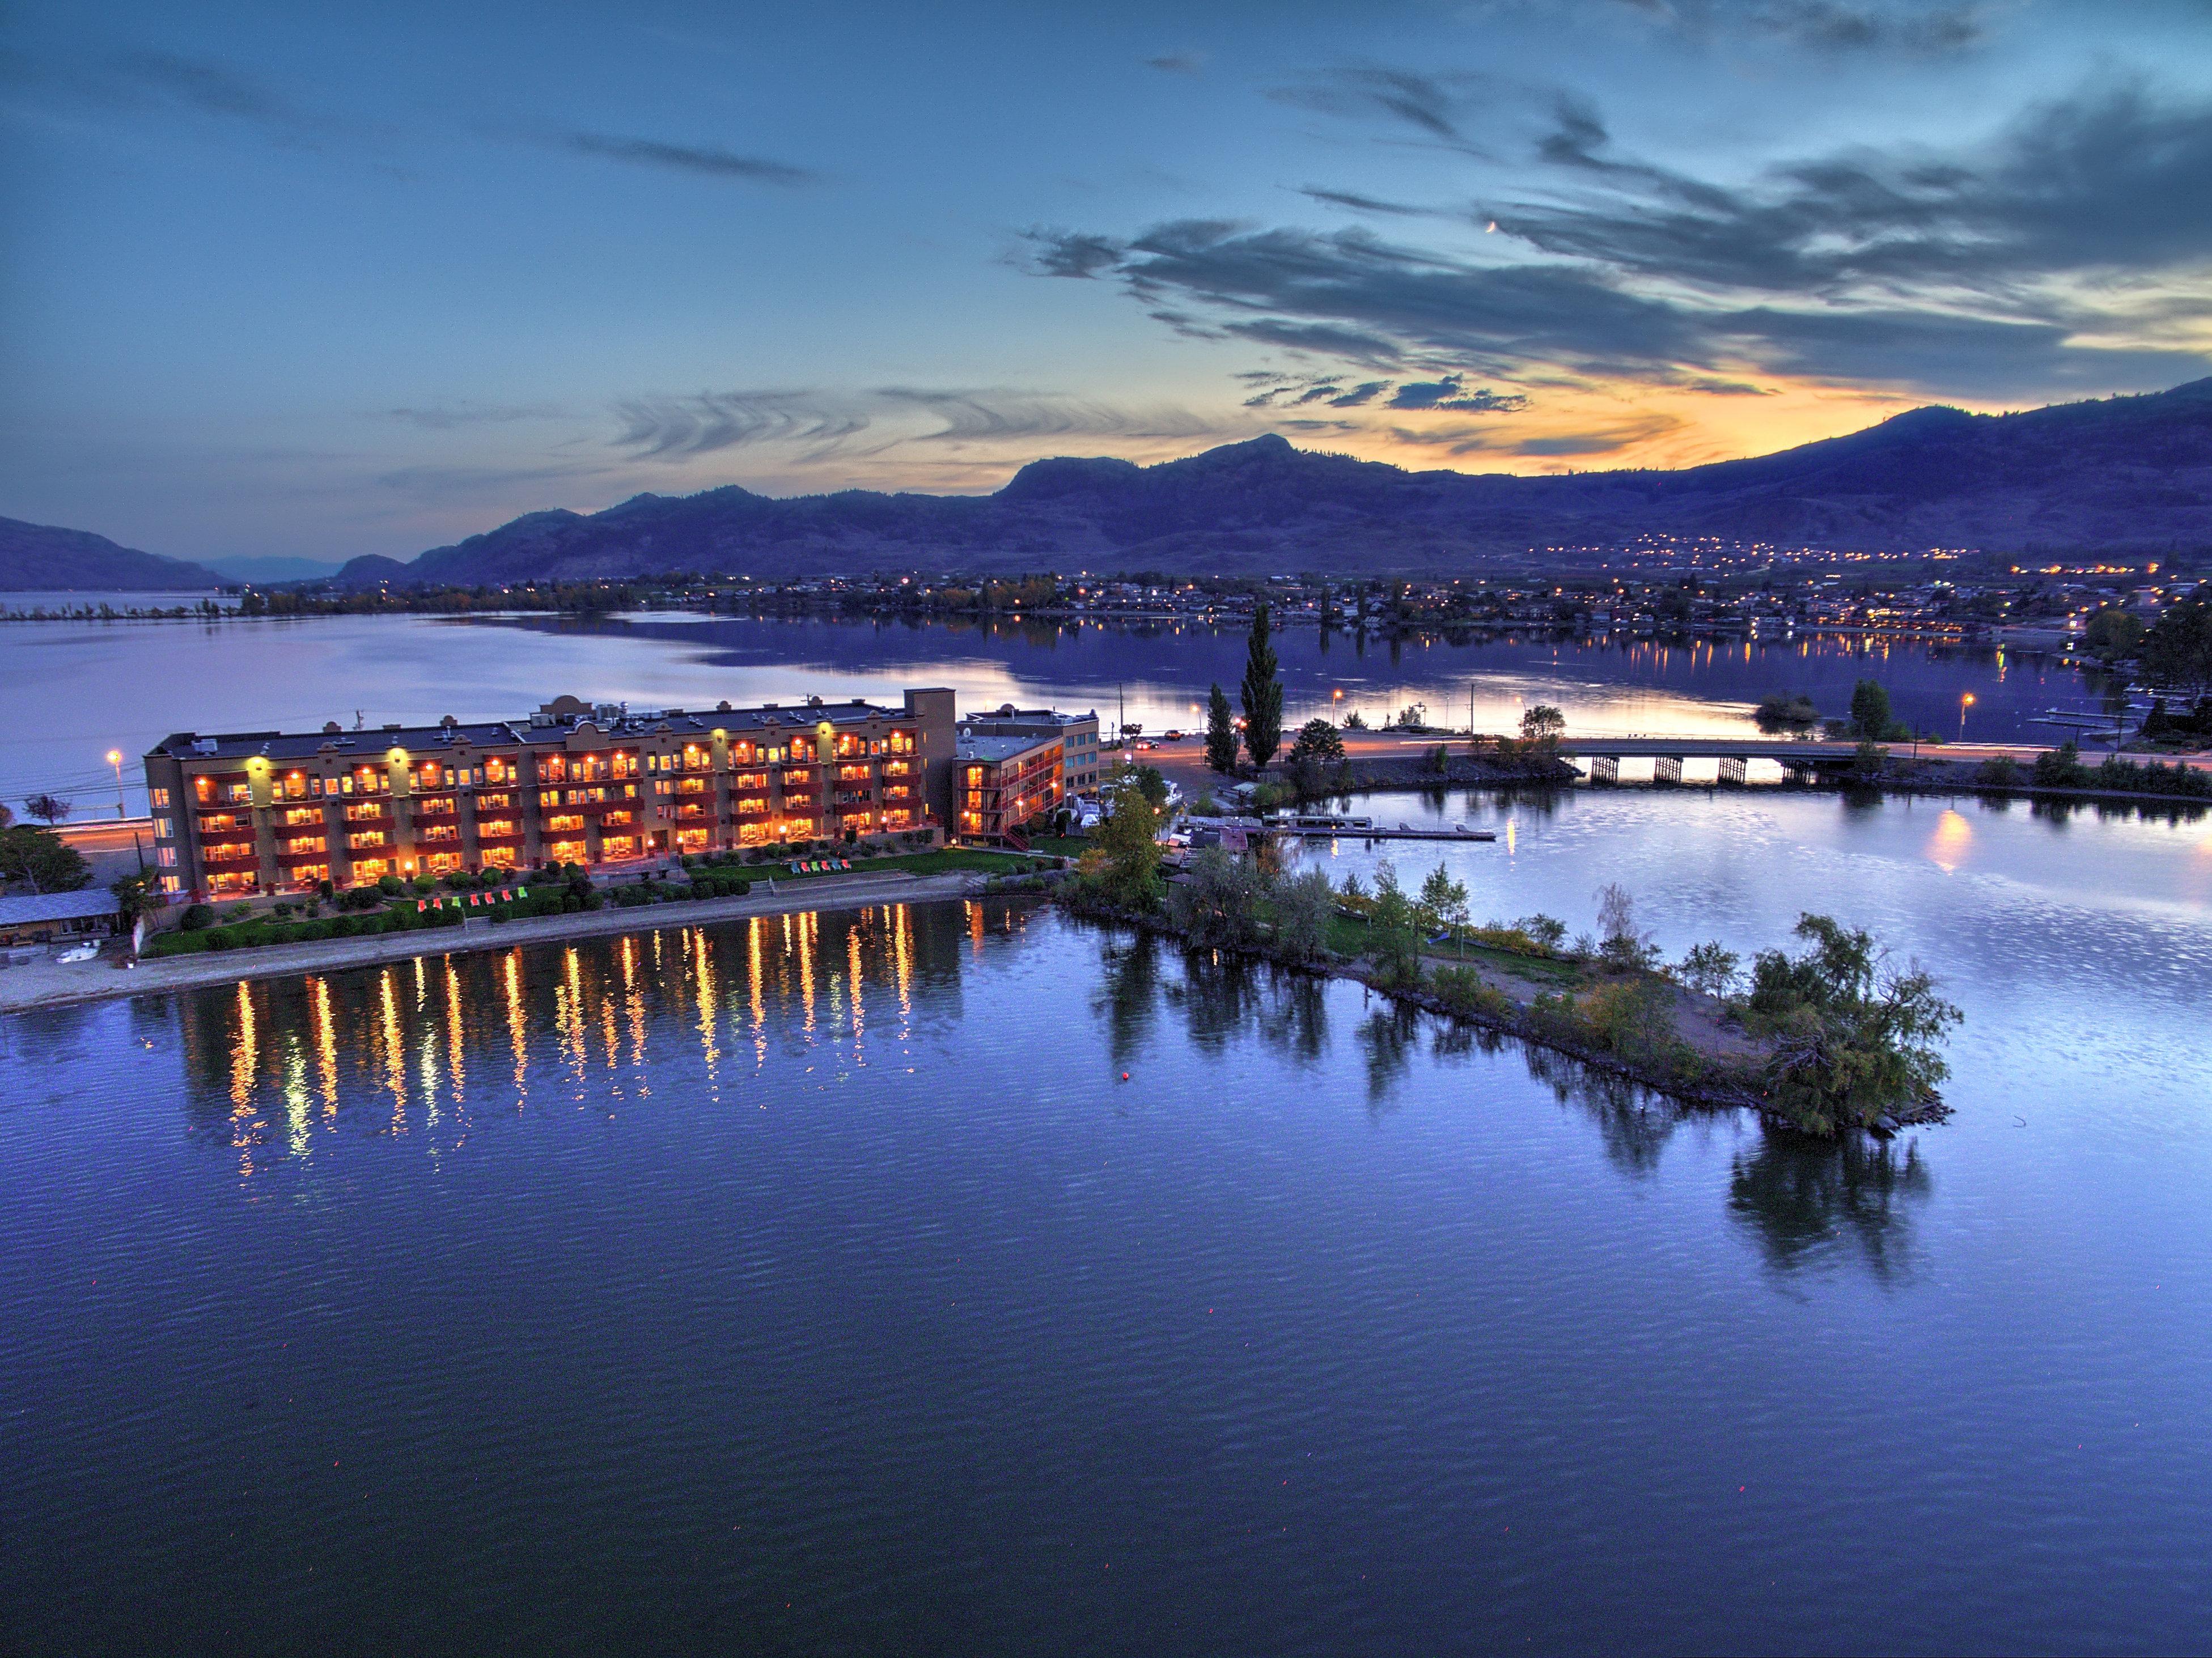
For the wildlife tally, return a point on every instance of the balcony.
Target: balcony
(292, 852)
(690, 813)
(499, 835)
(231, 855)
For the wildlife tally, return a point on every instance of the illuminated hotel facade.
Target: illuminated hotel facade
(574, 783)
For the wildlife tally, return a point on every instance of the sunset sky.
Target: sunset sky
(324, 281)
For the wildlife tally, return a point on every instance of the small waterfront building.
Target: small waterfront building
(595, 784)
(45, 918)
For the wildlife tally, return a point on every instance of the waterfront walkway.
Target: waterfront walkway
(50, 984)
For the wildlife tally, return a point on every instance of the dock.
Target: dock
(1316, 827)
(1378, 832)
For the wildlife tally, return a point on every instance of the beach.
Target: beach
(50, 984)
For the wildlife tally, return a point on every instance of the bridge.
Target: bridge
(1805, 759)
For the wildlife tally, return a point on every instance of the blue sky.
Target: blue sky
(323, 281)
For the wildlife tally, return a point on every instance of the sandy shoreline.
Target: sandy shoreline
(50, 984)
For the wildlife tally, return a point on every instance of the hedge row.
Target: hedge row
(704, 883)
(250, 935)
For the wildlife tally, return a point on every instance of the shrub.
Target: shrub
(1462, 989)
(389, 885)
(196, 918)
(1632, 1017)
(2061, 767)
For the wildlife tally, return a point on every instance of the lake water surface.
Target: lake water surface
(818, 1285)
(71, 691)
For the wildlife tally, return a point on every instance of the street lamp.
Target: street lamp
(1966, 702)
(115, 759)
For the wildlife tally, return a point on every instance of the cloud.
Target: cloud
(821, 424)
(677, 428)
(1897, 28)
(436, 481)
(442, 417)
(2069, 251)
(1068, 253)
(709, 161)
(1359, 203)
(1177, 62)
(210, 89)
(1448, 393)
(972, 416)
(1608, 438)
(1431, 104)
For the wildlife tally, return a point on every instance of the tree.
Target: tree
(1127, 854)
(1262, 692)
(1444, 901)
(47, 808)
(1317, 740)
(2113, 632)
(1871, 718)
(1218, 904)
(1392, 936)
(2177, 651)
(1543, 725)
(1710, 968)
(1619, 943)
(1315, 746)
(1794, 712)
(1546, 929)
(6, 816)
(1303, 907)
(1220, 732)
(1853, 1038)
(134, 894)
(41, 859)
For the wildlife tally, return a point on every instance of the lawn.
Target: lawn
(921, 862)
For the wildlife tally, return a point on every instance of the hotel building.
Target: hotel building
(266, 812)
(1078, 734)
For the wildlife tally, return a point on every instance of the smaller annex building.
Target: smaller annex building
(45, 918)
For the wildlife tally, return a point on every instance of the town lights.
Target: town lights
(115, 759)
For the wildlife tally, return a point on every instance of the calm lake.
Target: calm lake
(818, 1285)
(71, 691)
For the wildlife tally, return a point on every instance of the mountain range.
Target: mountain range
(2122, 474)
(41, 558)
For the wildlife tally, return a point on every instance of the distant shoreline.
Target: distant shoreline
(40, 984)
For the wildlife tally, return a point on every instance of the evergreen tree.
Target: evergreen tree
(1871, 718)
(1220, 732)
(1262, 692)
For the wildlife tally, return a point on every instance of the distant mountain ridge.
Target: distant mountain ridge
(2121, 474)
(41, 557)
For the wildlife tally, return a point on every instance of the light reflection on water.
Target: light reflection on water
(822, 1273)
